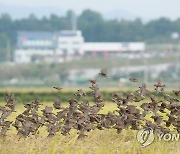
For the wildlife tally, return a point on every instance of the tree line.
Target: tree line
(93, 26)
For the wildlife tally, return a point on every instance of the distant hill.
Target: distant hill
(120, 14)
(20, 12)
(24, 11)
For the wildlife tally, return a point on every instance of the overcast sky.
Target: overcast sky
(149, 9)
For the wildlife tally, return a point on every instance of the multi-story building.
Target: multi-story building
(70, 44)
(48, 46)
(64, 46)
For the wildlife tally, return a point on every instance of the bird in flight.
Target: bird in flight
(57, 88)
(133, 79)
(103, 73)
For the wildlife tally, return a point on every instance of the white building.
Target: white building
(113, 48)
(48, 47)
(65, 45)
(70, 44)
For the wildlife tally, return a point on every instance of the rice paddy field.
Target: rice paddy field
(97, 141)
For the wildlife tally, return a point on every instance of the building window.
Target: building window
(75, 42)
(63, 42)
(125, 45)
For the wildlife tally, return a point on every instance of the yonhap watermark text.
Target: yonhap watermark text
(168, 137)
(146, 137)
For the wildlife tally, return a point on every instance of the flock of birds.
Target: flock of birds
(162, 109)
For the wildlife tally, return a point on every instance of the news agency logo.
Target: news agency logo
(146, 137)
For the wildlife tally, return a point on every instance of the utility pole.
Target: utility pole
(128, 65)
(8, 50)
(55, 51)
(145, 67)
(175, 36)
(74, 21)
(177, 65)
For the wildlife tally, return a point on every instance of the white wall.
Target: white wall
(71, 43)
(25, 55)
(29, 43)
(114, 46)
